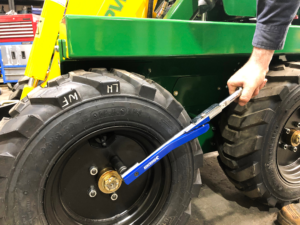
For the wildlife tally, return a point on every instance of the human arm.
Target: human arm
(273, 20)
(252, 75)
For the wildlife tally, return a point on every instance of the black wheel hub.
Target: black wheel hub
(67, 199)
(288, 152)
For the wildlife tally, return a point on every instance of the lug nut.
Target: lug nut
(298, 125)
(285, 146)
(92, 192)
(93, 170)
(295, 149)
(103, 139)
(114, 196)
(287, 130)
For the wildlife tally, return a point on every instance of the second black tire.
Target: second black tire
(251, 139)
(18, 88)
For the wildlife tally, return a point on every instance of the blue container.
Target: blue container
(13, 60)
(36, 11)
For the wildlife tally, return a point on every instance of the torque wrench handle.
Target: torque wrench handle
(198, 126)
(232, 97)
(216, 109)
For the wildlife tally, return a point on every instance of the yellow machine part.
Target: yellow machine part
(45, 39)
(54, 69)
(26, 91)
(120, 8)
(50, 25)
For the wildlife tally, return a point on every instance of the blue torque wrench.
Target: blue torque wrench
(199, 125)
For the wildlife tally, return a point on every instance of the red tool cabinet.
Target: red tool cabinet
(18, 28)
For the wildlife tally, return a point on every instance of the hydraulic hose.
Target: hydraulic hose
(206, 5)
(150, 9)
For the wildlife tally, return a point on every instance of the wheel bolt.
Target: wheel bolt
(298, 125)
(93, 170)
(285, 146)
(287, 130)
(114, 196)
(295, 149)
(103, 139)
(92, 192)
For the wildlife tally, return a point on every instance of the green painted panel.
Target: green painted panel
(197, 93)
(62, 49)
(168, 82)
(182, 10)
(240, 7)
(98, 37)
(200, 90)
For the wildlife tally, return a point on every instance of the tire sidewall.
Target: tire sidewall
(24, 197)
(276, 185)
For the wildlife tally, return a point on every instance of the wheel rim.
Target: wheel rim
(66, 198)
(288, 156)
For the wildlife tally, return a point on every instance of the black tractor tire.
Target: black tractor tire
(37, 151)
(251, 139)
(18, 88)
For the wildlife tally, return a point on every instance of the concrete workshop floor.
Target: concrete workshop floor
(5, 92)
(218, 202)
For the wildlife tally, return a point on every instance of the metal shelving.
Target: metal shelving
(13, 3)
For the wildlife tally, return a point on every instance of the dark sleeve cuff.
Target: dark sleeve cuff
(270, 37)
